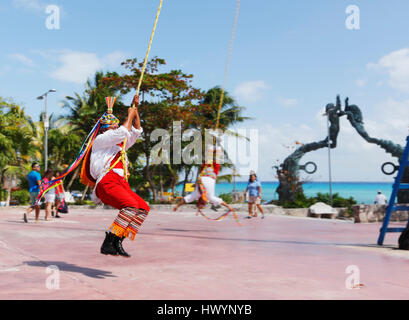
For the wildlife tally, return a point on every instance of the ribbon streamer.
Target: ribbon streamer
(85, 148)
(224, 215)
(110, 103)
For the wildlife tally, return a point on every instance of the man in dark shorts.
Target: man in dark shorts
(34, 184)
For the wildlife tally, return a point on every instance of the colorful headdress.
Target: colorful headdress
(108, 118)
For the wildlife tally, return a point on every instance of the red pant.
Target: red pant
(114, 191)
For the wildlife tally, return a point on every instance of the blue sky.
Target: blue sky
(290, 58)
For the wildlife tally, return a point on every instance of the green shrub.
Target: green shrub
(22, 196)
(226, 197)
(84, 202)
(144, 193)
(337, 200)
(302, 201)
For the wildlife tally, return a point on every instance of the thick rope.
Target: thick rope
(226, 70)
(140, 83)
(149, 48)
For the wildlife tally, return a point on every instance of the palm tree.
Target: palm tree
(11, 175)
(16, 133)
(230, 114)
(85, 109)
(38, 138)
(63, 145)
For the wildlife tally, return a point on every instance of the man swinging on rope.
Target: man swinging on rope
(108, 166)
(205, 185)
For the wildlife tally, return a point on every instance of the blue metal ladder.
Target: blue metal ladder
(398, 185)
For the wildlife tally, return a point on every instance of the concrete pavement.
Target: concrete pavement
(184, 256)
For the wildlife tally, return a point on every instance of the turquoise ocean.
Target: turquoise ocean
(362, 192)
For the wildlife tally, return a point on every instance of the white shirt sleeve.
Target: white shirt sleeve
(135, 134)
(111, 137)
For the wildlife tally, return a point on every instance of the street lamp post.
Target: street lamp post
(234, 179)
(46, 126)
(329, 154)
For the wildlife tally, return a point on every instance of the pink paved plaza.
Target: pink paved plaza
(184, 256)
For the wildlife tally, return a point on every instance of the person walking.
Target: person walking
(254, 189)
(59, 195)
(34, 184)
(50, 195)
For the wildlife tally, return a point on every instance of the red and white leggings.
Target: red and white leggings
(114, 191)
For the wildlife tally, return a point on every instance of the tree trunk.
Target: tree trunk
(161, 181)
(8, 196)
(173, 184)
(84, 193)
(2, 177)
(187, 172)
(150, 175)
(74, 176)
(174, 178)
(173, 190)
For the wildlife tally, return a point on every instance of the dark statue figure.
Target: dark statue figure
(288, 171)
(334, 113)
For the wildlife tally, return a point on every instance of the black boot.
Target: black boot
(119, 248)
(108, 246)
(214, 208)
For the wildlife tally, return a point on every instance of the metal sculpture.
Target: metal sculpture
(288, 171)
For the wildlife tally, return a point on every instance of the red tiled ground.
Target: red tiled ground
(182, 256)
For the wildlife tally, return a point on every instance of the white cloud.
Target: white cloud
(319, 115)
(77, 67)
(278, 142)
(396, 64)
(29, 5)
(360, 83)
(251, 91)
(113, 59)
(70, 66)
(287, 102)
(392, 119)
(22, 58)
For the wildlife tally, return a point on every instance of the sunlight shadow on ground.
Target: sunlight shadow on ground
(63, 266)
